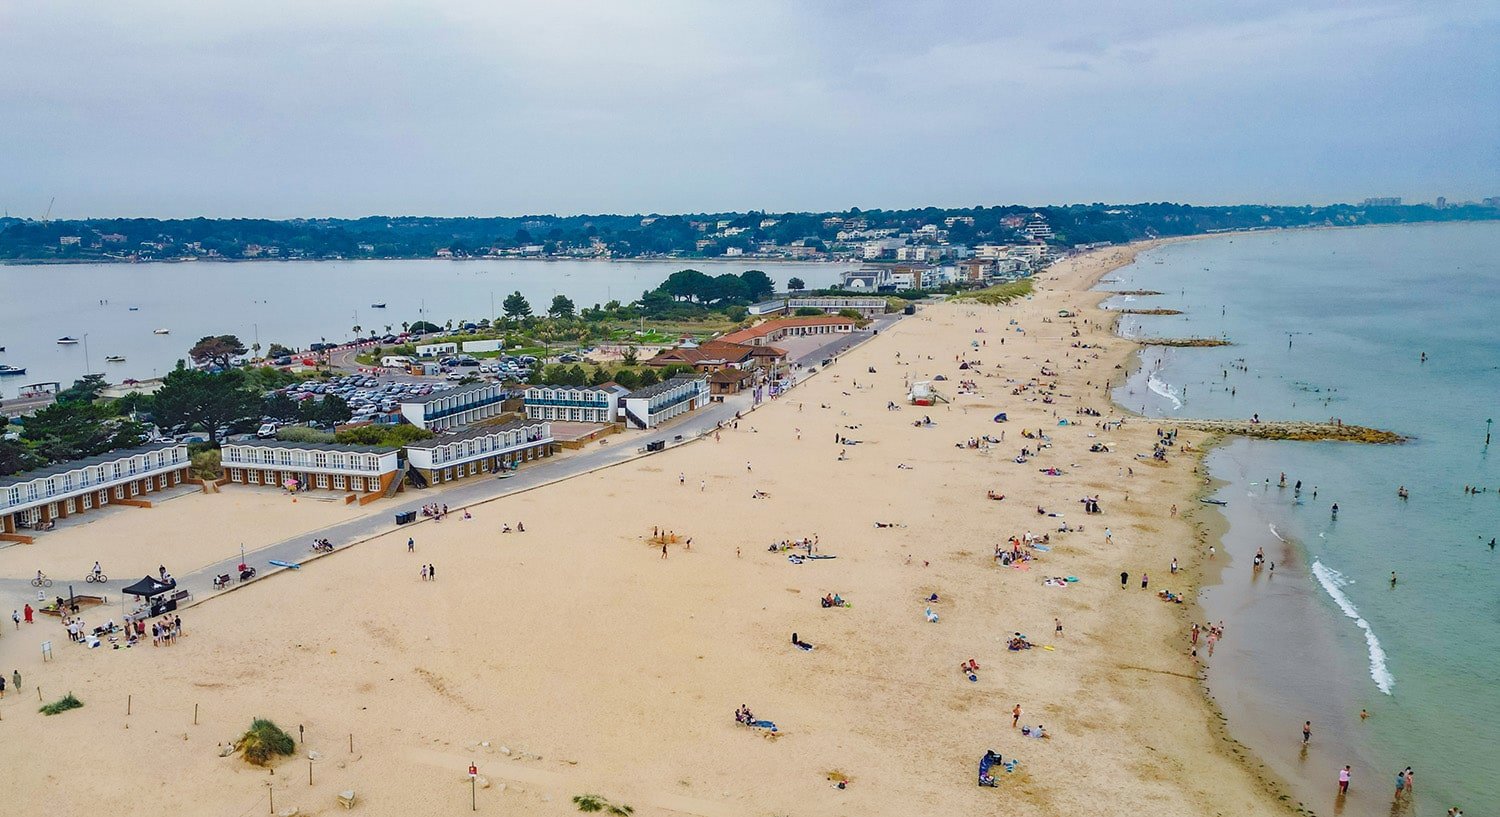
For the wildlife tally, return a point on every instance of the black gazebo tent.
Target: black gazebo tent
(148, 587)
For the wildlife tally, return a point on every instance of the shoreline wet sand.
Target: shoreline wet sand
(574, 658)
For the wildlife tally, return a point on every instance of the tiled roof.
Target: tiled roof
(663, 386)
(473, 432)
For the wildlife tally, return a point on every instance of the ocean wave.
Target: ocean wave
(1160, 387)
(1333, 582)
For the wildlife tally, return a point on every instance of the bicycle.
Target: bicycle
(96, 577)
(41, 581)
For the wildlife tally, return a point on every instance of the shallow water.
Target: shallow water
(1332, 324)
(293, 303)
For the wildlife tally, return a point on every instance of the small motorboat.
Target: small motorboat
(6, 370)
(377, 306)
(115, 359)
(67, 341)
(135, 309)
(1218, 502)
(162, 332)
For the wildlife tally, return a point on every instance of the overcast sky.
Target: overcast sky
(287, 108)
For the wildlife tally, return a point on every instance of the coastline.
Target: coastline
(1206, 524)
(616, 670)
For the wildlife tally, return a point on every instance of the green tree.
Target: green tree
(277, 350)
(758, 285)
(84, 390)
(279, 406)
(796, 284)
(576, 376)
(14, 457)
(422, 327)
(630, 356)
(599, 376)
(562, 307)
(736, 313)
(516, 306)
(71, 431)
(217, 350)
(627, 378)
(194, 397)
(728, 288)
(648, 377)
(688, 285)
(807, 311)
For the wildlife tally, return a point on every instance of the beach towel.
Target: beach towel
(1042, 548)
(763, 725)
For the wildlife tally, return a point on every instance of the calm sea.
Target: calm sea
(1333, 324)
(293, 303)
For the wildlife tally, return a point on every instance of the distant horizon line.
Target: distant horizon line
(706, 213)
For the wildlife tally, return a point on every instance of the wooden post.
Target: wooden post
(309, 772)
(351, 743)
(272, 793)
(127, 703)
(195, 714)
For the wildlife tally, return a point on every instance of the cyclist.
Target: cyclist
(97, 570)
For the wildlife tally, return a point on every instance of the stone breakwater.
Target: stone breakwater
(1183, 341)
(1295, 430)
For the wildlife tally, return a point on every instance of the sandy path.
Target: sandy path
(617, 672)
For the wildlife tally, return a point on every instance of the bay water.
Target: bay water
(1334, 324)
(293, 303)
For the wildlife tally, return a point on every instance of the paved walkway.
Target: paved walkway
(621, 448)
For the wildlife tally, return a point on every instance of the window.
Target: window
(339, 482)
(322, 480)
(236, 475)
(320, 459)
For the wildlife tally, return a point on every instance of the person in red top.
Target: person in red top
(27, 612)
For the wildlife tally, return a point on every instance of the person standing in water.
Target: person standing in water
(1393, 578)
(1306, 732)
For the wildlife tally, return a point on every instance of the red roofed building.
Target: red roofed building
(714, 355)
(774, 330)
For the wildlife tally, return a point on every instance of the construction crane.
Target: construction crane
(48, 215)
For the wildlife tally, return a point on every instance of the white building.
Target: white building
(867, 307)
(443, 410)
(435, 349)
(869, 278)
(483, 345)
(578, 404)
(66, 488)
(653, 405)
(479, 450)
(360, 469)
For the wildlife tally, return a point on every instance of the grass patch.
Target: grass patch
(593, 802)
(62, 704)
(998, 294)
(263, 741)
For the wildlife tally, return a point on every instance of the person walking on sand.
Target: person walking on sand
(424, 573)
(1015, 716)
(1306, 732)
(16, 677)
(411, 545)
(1174, 565)
(1057, 627)
(431, 573)
(664, 550)
(1109, 538)
(26, 613)
(1144, 581)
(1124, 579)
(15, 615)
(681, 479)
(1343, 781)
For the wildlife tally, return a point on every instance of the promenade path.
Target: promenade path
(381, 519)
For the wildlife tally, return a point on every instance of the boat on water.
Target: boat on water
(162, 332)
(115, 359)
(67, 341)
(6, 370)
(377, 306)
(135, 309)
(1218, 502)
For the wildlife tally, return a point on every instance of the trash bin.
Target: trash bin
(406, 517)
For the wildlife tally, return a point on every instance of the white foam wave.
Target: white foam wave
(1333, 582)
(1160, 386)
(1275, 532)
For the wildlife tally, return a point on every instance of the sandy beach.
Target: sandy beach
(573, 658)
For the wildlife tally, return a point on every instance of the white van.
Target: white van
(267, 430)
